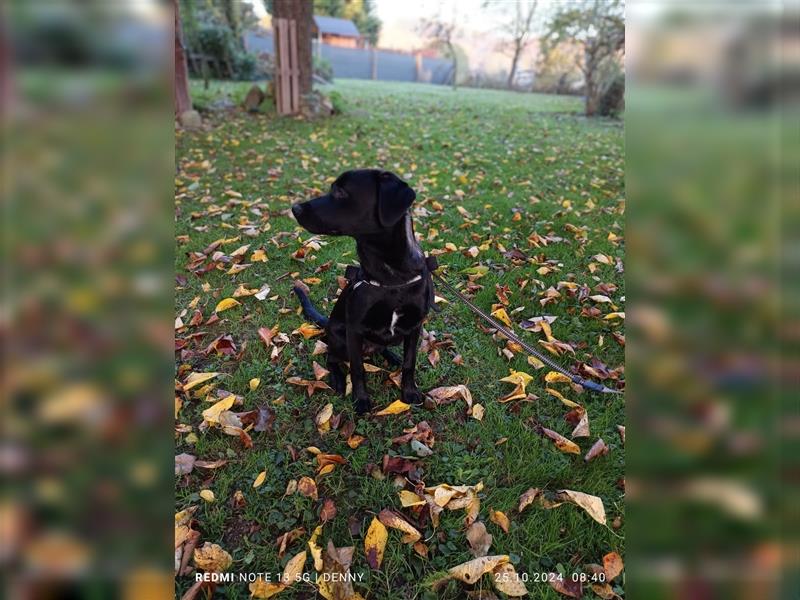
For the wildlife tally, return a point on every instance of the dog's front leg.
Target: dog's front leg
(355, 349)
(411, 395)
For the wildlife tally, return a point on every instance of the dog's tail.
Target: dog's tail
(308, 308)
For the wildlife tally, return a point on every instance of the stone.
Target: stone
(254, 99)
(190, 119)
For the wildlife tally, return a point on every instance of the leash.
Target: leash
(590, 385)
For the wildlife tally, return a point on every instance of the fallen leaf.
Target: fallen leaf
(582, 428)
(561, 442)
(260, 479)
(195, 379)
(319, 371)
(599, 448)
(472, 570)
(479, 539)
(478, 412)
(393, 520)
(211, 557)
(211, 414)
(410, 499)
(501, 315)
(556, 377)
(527, 498)
(396, 407)
(207, 495)
(499, 519)
(307, 487)
(612, 565)
(254, 383)
(184, 463)
(375, 543)
(591, 504)
(307, 330)
(565, 585)
(506, 580)
(328, 510)
(226, 304)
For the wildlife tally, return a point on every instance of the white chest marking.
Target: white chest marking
(395, 317)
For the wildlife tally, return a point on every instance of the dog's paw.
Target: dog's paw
(391, 358)
(413, 396)
(363, 405)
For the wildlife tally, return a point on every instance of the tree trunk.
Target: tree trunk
(589, 73)
(231, 10)
(183, 101)
(514, 62)
(300, 11)
(455, 64)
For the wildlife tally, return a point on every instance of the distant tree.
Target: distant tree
(183, 101)
(442, 33)
(361, 12)
(598, 28)
(518, 28)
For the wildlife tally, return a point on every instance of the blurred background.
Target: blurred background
(711, 113)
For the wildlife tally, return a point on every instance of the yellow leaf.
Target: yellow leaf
(212, 414)
(556, 377)
(259, 256)
(472, 570)
(211, 557)
(518, 378)
(307, 487)
(558, 395)
(501, 315)
(561, 442)
(254, 383)
(535, 362)
(396, 407)
(375, 543)
(226, 304)
(410, 499)
(614, 315)
(195, 379)
(293, 571)
(307, 330)
(260, 479)
(265, 589)
(478, 412)
(316, 550)
(207, 495)
(499, 519)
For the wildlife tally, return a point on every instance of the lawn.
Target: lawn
(521, 197)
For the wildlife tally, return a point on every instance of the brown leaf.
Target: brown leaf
(307, 487)
(527, 498)
(479, 539)
(328, 510)
(565, 586)
(320, 372)
(612, 565)
(599, 448)
(395, 521)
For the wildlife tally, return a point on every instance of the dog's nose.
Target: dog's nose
(297, 210)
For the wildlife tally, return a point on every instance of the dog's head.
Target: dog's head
(360, 202)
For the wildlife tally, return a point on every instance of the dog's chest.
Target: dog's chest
(388, 320)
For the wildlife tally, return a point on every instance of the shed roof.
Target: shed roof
(336, 26)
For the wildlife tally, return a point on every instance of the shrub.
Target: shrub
(323, 68)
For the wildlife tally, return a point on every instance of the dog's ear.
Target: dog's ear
(395, 197)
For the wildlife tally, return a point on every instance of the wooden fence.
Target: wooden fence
(287, 70)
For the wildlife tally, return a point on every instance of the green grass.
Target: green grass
(493, 153)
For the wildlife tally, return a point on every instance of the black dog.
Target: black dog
(388, 297)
